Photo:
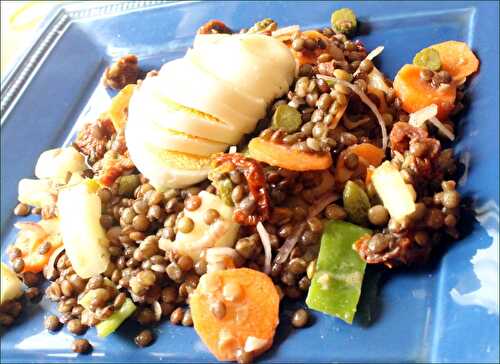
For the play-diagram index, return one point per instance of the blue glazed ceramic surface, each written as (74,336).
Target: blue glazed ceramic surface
(445,312)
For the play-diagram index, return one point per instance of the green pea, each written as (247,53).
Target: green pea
(356,203)
(128,184)
(344,21)
(287,118)
(263,25)
(224,189)
(428,58)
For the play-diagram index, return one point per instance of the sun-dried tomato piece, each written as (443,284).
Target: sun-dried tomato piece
(255,177)
(93,138)
(112,166)
(214,27)
(121,73)
(393,249)
(402,133)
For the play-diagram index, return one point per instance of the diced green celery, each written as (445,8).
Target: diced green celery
(336,285)
(108,326)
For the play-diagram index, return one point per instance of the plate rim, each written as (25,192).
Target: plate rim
(52,28)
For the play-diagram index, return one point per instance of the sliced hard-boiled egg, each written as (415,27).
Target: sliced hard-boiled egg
(234,59)
(173,140)
(193,87)
(164,168)
(147,103)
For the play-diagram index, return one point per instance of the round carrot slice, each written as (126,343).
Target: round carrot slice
(306,56)
(235,309)
(287,157)
(457,59)
(369,155)
(416,93)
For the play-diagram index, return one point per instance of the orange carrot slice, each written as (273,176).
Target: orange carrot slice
(287,157)
(248,317)
(30,245)
(119,106)
(416,93)
(368,154)
(457,59)
(306,56)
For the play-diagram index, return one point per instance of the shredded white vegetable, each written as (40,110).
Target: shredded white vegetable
(289,244)
(233,149)
(443,129)
(266,242)
(367,101)
(286,31)
(418,118)
(374,53)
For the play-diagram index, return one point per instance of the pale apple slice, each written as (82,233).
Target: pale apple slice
(57,163)
(188,85)
(222,232)
(83,236)
(36,192)
(397,196)
(164,168)
(11,286)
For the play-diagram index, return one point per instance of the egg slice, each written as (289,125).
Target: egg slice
(191,86)
(234,59)
(166,138)
(164,168)
(148,103)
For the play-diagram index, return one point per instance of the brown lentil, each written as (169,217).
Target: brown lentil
(193,203)
(21,209)
(185,263)
(210,216)
(81,346)
(140,223)
(187,320)
(177,316)
(297,265)
(300,318)
(335,212)
(174,272)
(18,265)
(144,338)
(52,323)
(75,327)
(378,215)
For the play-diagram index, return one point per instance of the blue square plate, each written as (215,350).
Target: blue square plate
(447,312)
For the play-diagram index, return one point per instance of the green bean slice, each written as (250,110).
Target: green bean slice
(356,203)
(428,58)
(287,118)
(344,21)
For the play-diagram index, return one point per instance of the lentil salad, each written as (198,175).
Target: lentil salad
(314,157)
